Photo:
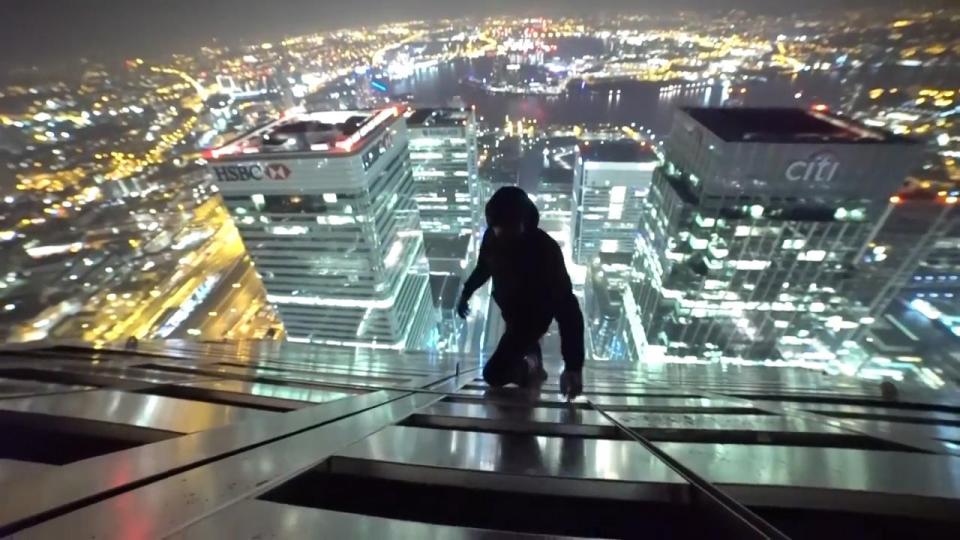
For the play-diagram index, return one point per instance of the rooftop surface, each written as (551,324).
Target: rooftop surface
(271,439)
(736,124)
(333,132)
(555,177)
(438,117)
(440,246)
(620,151)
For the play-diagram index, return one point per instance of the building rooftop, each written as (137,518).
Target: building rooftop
(441,246)
(334,132)
(445,450)
(555,176)
(774,125)
(438,117)
(620,151)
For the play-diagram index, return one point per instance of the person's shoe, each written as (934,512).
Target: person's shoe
(534,374)
(539,374)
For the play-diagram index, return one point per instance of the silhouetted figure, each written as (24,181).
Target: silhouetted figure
(532,287)
(889,391)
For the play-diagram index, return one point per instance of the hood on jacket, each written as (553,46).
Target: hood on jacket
(511,205)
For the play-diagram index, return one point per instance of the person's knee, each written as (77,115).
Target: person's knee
(493,376)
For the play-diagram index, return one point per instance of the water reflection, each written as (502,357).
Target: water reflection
(651,103)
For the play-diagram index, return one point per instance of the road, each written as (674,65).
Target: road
(226,306)
(219,253)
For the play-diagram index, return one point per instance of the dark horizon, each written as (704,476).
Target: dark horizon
(51,35)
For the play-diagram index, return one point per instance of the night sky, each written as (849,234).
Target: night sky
(59,32)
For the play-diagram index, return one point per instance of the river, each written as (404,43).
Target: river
(648,104)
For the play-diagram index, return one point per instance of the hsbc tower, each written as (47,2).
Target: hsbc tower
(755,233)
(325,205)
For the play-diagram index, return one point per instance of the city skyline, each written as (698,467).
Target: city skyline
(451,269)
(126,157)
(113,30)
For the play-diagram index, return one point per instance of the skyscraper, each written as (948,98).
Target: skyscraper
(554,199)
(443,156)
(606,282)
(917,250)
(610,184)
(325,205)
(757,225)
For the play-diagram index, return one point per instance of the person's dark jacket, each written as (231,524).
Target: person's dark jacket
(530,280)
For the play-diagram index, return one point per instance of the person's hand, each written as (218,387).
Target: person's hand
(463,307)
(571,384)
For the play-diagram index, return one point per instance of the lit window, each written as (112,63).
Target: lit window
(617,194)
(698,243)
(292,230)
(794,243)
(813,255)
(706,222)
(750,265)
(609,246)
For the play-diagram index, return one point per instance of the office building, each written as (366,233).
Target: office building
(917,250)
(938,273)
(554,199)
(610,184)
(757,225)
(325,205)
(928,212)
(443,156)
(606,283)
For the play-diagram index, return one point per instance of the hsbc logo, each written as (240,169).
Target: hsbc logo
(277,171)
(238,173)
(243,173)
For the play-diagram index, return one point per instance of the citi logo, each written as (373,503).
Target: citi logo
(819,168)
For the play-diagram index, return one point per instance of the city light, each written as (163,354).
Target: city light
(925,308)
(262,157)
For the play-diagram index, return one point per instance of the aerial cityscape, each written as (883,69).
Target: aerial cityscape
(499,269)
(328,188)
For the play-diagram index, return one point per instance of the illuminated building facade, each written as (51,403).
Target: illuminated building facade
(917,251)
(325,205)
(756,227)
(443,156)
(610,184)
(606,283)
(938,274)
(554,199)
